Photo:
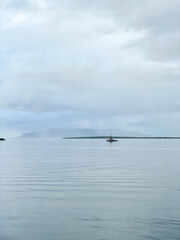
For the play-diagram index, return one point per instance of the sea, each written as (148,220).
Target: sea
(57,189)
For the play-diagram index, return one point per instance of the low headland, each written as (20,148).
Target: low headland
(91,134)
(82,133)
(120,137)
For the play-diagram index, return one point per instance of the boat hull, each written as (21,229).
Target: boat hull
(111,140)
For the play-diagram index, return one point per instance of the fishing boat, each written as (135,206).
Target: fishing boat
(111,139)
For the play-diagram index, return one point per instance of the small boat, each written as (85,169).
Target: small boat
(111,139)
(2,139)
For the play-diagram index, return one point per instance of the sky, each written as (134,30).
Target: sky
(90,64)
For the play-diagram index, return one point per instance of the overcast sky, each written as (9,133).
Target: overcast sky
(90,64)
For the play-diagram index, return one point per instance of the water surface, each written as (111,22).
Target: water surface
(53,189)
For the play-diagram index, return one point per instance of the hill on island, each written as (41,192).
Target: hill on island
(61,133)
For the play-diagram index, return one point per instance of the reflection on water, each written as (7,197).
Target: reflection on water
(89,189)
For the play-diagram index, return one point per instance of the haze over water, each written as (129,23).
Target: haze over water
(53,189)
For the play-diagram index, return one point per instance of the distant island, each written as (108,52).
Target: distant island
(91,134)
(120,137)
(65,133)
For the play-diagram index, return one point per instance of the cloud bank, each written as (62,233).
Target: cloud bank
(90,64)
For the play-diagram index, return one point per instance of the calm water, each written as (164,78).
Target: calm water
(89,190)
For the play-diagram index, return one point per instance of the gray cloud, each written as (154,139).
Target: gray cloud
(108,58)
